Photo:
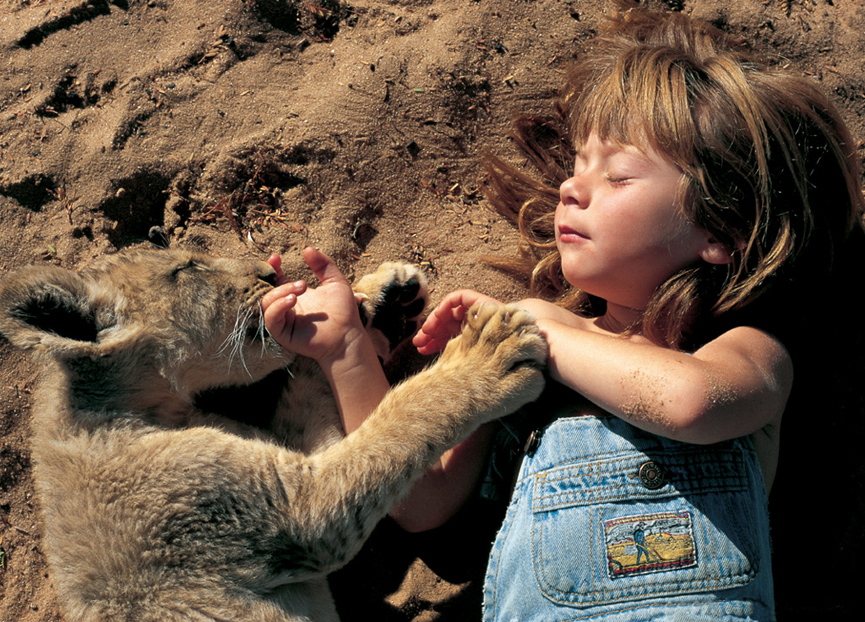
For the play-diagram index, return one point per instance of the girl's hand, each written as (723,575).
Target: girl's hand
(445,322)
(319,323)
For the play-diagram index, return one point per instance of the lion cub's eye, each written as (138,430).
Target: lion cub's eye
(186,266)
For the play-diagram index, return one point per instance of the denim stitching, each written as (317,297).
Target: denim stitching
(663,606)
(713,581)
(682,469)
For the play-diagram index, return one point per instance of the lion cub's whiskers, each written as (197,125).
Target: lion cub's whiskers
(235,340)
(261,332)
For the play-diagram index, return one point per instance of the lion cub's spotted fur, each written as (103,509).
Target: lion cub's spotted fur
(156,510)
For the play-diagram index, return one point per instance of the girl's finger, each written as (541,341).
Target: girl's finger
(275,262)
(279,314)
(322,266)
(296,288)
(421,339)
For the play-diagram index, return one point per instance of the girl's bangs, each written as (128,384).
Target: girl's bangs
(642,102)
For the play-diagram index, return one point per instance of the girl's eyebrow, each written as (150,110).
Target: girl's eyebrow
(632,157)
(610,148)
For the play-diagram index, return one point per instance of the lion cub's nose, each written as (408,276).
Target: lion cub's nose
(267,274)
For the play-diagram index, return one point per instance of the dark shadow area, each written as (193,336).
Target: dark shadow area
(321,19)
(253,404)
(138,205)
(817,505)
(77,15)
(456,553)
(67,95)
(32,192)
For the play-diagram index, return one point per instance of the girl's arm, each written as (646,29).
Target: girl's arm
(446,320)
(447,486)
(731,387)
(324,324)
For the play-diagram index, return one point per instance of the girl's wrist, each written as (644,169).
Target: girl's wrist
(356,350)
(356,378)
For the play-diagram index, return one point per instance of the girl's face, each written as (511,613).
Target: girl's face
(619,229)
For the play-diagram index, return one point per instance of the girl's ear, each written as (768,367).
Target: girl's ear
(714,252)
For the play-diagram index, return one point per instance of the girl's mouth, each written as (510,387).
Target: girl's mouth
(567,234)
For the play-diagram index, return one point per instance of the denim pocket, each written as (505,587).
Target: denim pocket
(639,525)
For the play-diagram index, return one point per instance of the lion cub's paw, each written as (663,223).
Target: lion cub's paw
(505,335)
(391,300)
(504,345)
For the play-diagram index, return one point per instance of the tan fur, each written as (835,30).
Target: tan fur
(156,510)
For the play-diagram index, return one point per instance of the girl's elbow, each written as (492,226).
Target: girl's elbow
(419,521)
(712,423)
(695,422)
(694,433)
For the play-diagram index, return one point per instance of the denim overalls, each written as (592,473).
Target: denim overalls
(608,522)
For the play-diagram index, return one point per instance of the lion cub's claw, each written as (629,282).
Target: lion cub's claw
(508,329)
(504,346)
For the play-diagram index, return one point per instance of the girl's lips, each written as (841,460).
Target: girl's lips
(566,234)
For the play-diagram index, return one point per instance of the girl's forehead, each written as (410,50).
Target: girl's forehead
(639,122)
(641,149)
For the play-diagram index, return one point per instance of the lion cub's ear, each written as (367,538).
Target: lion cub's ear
(54,308)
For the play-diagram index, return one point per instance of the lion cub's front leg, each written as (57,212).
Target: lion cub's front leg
(490,370)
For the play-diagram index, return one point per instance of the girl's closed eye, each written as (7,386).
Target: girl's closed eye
(617,180)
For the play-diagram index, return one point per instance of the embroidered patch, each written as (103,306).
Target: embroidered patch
(649,543)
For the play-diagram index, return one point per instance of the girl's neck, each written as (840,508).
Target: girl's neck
(618,319)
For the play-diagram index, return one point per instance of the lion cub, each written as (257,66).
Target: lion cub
(156,510)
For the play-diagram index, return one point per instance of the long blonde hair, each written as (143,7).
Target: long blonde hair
(769,166)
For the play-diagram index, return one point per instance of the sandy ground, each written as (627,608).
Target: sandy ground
(243,127)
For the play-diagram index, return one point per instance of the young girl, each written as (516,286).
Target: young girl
(709,195)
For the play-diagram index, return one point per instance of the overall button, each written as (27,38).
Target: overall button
(652,475)
(532,443)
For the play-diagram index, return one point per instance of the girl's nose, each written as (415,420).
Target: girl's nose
(571,193)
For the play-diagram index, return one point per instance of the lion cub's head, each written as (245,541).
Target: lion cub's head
(144,327)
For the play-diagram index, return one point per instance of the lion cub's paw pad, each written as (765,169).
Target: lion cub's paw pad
(394,296)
